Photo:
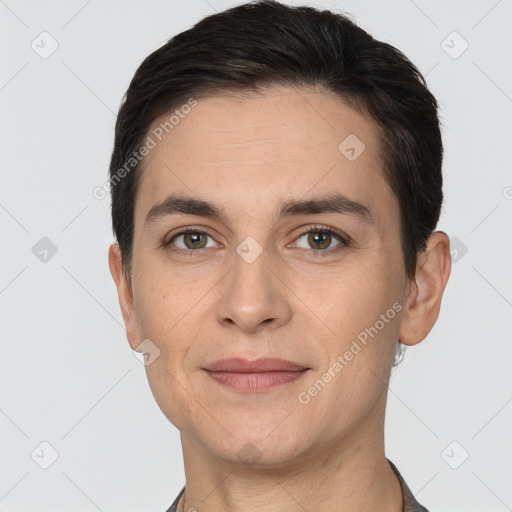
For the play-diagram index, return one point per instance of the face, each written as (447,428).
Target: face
(296,256)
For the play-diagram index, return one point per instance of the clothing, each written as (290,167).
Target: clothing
(410,503)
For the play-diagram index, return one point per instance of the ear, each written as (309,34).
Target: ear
(424,300)
(124,293)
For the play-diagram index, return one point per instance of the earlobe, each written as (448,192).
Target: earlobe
(424,301)
(125,296)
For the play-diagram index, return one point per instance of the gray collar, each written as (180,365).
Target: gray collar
(410,503)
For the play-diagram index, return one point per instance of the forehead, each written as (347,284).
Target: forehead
(279,144)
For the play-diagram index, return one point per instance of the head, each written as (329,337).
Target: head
(303,157)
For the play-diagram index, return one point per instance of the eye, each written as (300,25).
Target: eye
(320,239)
(189,239)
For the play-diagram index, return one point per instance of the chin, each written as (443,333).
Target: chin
(256,444)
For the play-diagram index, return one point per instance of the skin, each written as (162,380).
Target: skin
(247,155)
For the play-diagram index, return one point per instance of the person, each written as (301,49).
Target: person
(276,184)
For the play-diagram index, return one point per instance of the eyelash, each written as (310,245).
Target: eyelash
(344,241)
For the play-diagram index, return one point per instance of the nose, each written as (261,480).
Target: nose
(253,295)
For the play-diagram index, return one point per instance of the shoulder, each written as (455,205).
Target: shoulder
(410,502)
(174,506)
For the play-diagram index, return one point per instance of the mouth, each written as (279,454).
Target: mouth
(255,376)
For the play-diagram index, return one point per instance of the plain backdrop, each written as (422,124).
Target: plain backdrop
(72,395)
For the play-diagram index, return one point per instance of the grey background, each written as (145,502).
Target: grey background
(68,375)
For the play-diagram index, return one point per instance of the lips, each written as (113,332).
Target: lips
(239,365)
(258,375)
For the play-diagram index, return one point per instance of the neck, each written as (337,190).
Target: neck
(345,475)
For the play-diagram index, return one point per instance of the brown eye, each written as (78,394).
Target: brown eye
(189,240)
(319,240)
(193,240)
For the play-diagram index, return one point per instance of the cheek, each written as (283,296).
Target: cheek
(359,381)
(167,317)
(163,300)
(353,297)
(362,311)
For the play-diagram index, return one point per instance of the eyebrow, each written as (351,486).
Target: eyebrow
(333,203)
